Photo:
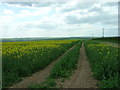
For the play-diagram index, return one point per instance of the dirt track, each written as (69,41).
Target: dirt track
(82,77)
(39,76)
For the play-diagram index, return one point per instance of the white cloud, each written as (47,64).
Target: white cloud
(59,19)
(6,19)
(8,11)
(41,11)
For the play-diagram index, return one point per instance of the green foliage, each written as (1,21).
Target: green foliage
(112,82)
(104,63)
(21,59)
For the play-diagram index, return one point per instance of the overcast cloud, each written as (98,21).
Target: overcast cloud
(58,19)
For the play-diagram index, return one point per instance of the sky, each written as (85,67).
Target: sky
(58,19)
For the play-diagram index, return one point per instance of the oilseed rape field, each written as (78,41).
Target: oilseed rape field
(104,61)
(21,59)
(60,62)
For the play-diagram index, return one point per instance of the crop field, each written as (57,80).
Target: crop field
(54,63)
(21,59)
(104,61)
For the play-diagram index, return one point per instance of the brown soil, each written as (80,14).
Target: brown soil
(39,76)
(82,77)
